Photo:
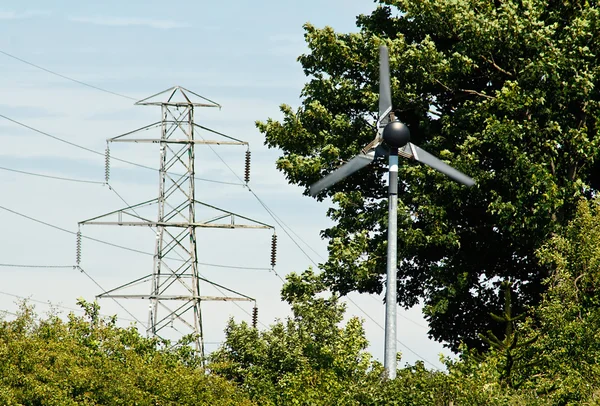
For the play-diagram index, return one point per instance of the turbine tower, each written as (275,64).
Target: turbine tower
(175,295)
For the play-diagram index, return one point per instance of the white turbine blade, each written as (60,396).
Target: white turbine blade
(353,165)
(419,154)
(385,91)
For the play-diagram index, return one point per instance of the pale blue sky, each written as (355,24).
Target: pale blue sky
(241,54)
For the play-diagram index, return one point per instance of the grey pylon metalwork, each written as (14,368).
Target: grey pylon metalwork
(175,294)
(392,139)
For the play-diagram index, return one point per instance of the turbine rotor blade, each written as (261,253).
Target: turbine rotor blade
(353,165)
(385,91)
(419,154)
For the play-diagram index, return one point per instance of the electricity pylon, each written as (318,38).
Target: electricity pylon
(175,281)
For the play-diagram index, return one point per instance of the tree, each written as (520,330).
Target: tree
(566,354)
(308,359)
(89,361)
(312,359)
(506,91)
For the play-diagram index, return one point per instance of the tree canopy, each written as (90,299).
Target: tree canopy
(548,356)
(90,361)
(507,92)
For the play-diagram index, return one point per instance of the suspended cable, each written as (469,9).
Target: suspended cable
(52,177)
(48,303)
(37,266)
(400,314)
(54,137)
(3,312)
(66,77)
(114,300)
(382,328)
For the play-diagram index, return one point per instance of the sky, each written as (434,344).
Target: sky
(241,54)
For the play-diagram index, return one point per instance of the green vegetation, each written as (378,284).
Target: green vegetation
(506,91)
(509,270)
(547,356)
(89,361)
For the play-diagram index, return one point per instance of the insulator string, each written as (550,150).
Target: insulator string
(273,250)
(254,316)
(247,167)
(78,248)
(107,163)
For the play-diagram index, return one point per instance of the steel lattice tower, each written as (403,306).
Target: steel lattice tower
(175,280)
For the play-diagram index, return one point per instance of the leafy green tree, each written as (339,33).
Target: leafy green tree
(306,359)
(568,319)
(556,359)
(506,91)
(310,359)
(89,361)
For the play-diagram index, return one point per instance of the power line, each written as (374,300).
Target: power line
(401,315)
(66,77)
(48,303)
(104,290)
(52,177)
(54,137)
(37,266)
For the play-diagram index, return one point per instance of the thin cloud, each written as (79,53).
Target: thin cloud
(130,22)
(15,15)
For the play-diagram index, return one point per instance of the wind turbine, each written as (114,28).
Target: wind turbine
(396,136)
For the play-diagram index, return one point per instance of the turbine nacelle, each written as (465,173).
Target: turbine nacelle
(396,134)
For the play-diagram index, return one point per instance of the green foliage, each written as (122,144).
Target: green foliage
(89,361)
(568,320)
(306,359)
(310,360)
(505,91)
(556,358)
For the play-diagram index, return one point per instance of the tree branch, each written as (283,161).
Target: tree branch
(475,92)
(498,68)
(468,91)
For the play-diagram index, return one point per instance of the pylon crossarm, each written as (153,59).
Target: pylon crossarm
(135,206)
(221,134)
(186,91)
(265,225)
(161,297)
(159,141)
(129,284)
(227,289)
(119,138)
(180,225)
(147,101)
(158,124)
(217,218)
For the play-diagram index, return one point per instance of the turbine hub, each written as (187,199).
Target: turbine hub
(396,134)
